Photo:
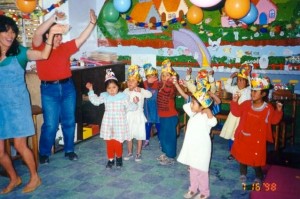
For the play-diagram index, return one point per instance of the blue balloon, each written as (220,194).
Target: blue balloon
(122,5)
(251,16)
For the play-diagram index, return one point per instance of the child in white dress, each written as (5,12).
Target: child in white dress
(196,148)
(114,126)
(136,119)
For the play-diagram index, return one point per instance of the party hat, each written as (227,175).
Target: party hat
(166,67)
(149,69)
(133,72)
(245,71)
(259,82)
(110,75)
(203,97)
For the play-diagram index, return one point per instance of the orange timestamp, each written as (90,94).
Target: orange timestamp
(266,186)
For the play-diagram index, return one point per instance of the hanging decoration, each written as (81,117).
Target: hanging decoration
(164,24)
(35,14)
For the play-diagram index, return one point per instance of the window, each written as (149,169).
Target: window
(272,14)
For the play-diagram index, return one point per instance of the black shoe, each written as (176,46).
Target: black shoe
(119,162)
(230,157)
(110,164)
(71,156)
(44,159)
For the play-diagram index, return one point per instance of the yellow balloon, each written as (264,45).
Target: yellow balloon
(237,9)
(194,15)
(26,6)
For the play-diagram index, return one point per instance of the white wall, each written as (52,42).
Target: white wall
(78,18)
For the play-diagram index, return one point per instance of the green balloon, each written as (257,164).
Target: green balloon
(110,13)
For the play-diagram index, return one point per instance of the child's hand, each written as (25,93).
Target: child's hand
(89,86)
(174,79)
(137,89)
(136,99)
(182,82)
(189,71)
(279,106)
(235,97)
(233,75)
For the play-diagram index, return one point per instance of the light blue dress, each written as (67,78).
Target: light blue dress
(15,109)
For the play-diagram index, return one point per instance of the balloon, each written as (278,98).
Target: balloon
(194,15)
(122,5)
(237,9)
(205,3)
(110,14)
(26,5)
(251,16)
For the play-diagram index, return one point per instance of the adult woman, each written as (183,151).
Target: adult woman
(15,110)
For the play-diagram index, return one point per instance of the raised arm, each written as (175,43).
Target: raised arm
(44,54)
(44,27)
(87,31)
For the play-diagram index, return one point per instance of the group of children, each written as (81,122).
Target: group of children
(132,113)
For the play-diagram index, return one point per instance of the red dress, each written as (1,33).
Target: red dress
(253,132)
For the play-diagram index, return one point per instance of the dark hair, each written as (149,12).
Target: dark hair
(7,23)
(47,32)
(106,83)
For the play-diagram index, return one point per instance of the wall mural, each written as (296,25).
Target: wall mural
(216,33)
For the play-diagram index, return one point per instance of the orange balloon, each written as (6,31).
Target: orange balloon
(26,5)
(194,15)
(237,9)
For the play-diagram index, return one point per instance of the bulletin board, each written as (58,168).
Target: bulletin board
(270,43)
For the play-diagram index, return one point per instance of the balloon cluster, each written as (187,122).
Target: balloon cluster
(242,10)
(112,9)
(195,13)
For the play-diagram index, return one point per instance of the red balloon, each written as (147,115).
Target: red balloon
(26,6)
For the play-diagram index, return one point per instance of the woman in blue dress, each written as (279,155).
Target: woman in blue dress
(15,110)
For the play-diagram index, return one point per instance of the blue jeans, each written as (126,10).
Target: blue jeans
(59,103)
(168,135)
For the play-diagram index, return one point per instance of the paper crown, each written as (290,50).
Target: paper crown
(149,69)
(245,71)
(133,72)
(110,75)
(202,80)
(166,67)
(259,82)
(203,97)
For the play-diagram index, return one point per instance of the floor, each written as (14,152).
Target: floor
(87,178)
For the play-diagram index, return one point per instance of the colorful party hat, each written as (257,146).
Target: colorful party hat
(202,80)
(259,82)
(166,67)
(133,72)
(110,75)
(149,69)
(245,71)
(203,97)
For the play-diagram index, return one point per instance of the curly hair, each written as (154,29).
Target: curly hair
(6,24)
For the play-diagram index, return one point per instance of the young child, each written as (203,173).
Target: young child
(243,89)
(150,105)
(114,126)
(136,119)
(167,113)
(196,148)
(206,80)
(254,129)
